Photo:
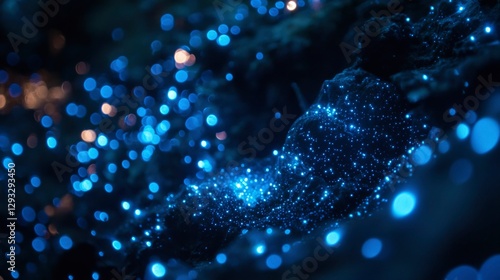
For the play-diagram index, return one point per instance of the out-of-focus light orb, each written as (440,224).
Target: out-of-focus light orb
(211,120)
(259,56)
(403,204)
(51,142)
(462,131)
(154,187)
(221,258)
(65,242)
(223,40)
(371,248)
(285,248)
(125,205)
(89,84)
(46,121)
(461,171)
(181,56)
(485,135)
(422,155)
(181,76)
(164,109)
(28,214)
(167,22)
(273,261)
(88,135)
(172,94)
(463,272)
(332,238)
(487,29)
(158,270)
(106,91)
(229,77)
(291,5)
(183,104)
(17,149)
(260,249)
(490,269)
(38,244)
(35,181)
(444,146)
(211,35)
(116,245)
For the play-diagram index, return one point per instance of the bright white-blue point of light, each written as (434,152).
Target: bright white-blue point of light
(116,245)
(172,94)
(158,270)
(332,238)
(490,268)
(275,152)
(28,214)
(464,272)
(260,249)
(167,22)
(17,149)
(223,40)
(211,120)
(487,29)
(46,121)
(461,171)
(371,248)
(462,131)
(273,261)
(154,187)
(181,76)
(425,77)
(211,35)
(106,91)
(51,142)
(269,231)
(229,77)
(422,155)
(221,258)
(95,276)
(65,242)
(137,212)
(86,185)
(38,244)
(204,143)
(472,38)
(183,104)
(102,140)
(89,84)
(259,56)
(485,135)
(403,204)
(125,205)
(164,109)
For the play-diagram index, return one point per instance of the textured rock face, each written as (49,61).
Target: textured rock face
(346,142)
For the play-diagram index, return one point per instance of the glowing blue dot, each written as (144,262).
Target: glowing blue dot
(485,135)
(156,45)
(472,38)
(125,164)
(93,153)
(235,30)
(269,231)
(332,238)
(273,261)
(71,109)
(461,171)
(262,10)
(17,149)
(102,140)
(116,245)
(167,22)
(239,16)
(28,214)
(403,204)
(183,104)
(46,121)
(38,244)
(137,212)
(462,131)
(51,142)
(86,185)
(35,181)
(279,5)
(112,168)
(211,120)
(211,35)
(463,272)
(260,249)
(285,248)
(106,91)
(425,77)
(444,146)
(259,56)
(172,94)
(371,248)
(273,12)
(65,242)
(108,188)
(487,29)
(156,69)
(154,187)
(158,270)
(223,40)
(125,205)
(103,216)
(181,76)
(223,28)
(422,155)
(95,276)
(14,274)
(221,258)
(229,77)
(490,268)
(89,84)
(192,123)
